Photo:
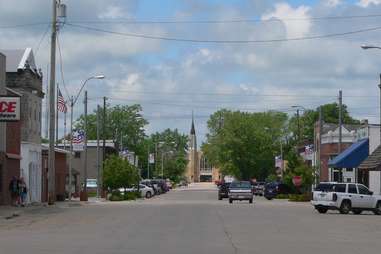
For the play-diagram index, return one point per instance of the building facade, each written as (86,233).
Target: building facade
(23,77)
(199,169)
(9,143)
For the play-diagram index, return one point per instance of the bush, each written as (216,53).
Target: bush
(306,197)
(282,196)
(131,195)
(116,196)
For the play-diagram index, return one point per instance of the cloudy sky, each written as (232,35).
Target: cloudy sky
(226,54)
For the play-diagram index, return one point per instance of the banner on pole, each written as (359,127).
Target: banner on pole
(78,140)
(151,158)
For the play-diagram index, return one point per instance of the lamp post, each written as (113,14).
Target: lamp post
(73,101)
(162,162)
(298,107)
(365,47)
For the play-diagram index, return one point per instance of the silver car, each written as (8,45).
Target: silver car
(240,190)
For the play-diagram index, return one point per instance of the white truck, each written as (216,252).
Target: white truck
(345,197)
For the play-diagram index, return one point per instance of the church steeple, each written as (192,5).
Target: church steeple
(193,130)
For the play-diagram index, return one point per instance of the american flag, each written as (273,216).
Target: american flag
(78,137)
(309,149)
(61,104)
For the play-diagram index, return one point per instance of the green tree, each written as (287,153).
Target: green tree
(173,145)
(124,125)
(308,119)
(244,144)
(119,173)
(296,167)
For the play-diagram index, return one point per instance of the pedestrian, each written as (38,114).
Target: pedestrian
(14,190)
(23,191)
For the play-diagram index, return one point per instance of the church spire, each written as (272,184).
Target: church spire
(193,131)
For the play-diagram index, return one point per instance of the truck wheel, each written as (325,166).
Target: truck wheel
(322,210)
(230,200)
(219,197)
(357,211)
(268,198)
(377,210)
(250,201)
(345,207)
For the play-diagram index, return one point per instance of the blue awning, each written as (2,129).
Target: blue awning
(352,156)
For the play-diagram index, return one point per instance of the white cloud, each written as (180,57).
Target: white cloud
(293,28)
(333,3)
(366,3)
(112,12)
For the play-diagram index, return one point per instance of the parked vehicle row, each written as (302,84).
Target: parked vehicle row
(150,187)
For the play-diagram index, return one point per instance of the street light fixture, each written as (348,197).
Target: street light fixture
(73,101)
(298,107)
(365,47)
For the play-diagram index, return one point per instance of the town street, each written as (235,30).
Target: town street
(190,220)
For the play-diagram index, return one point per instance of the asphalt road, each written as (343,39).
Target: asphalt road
(190,221)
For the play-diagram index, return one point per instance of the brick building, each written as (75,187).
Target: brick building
(61,168)
(9,143)
(329,149)
(23,77)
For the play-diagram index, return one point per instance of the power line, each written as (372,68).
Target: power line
(42,39)
(61,67)
(25,25)
(178,39)
(223,21)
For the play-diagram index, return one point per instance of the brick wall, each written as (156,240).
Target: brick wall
(328,150)
(29,84)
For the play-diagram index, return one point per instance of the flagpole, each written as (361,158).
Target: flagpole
(57,115)
(64,140)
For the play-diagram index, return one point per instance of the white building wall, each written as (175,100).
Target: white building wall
(374,181)
(374,137)
(31,170)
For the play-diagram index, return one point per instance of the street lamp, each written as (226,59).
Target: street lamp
(379,86)
(364,46)
(73,101)
(162,162)
(298,107)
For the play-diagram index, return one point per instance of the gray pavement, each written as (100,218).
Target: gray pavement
(190,221)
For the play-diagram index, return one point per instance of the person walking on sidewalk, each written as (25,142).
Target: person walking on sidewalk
(23,191)
(14,190)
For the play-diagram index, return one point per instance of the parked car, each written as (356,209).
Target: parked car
(169,183)
(272,189)
(240,190)
(154,186)
(145,191)
(223,190)
(162,186)
(91,185)
(258,188)
(345,197)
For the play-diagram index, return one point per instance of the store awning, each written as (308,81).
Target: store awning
(352,156)
(373,162)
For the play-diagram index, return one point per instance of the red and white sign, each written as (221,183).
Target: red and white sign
(9,109)
(297,181)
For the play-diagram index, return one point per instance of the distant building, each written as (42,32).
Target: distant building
(92,164)
(23,77)
(199,169)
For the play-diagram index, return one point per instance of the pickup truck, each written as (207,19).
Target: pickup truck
(345,197)
(240,190)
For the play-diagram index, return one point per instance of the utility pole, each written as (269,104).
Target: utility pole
(298,119)
(57,115)
(98,156)
(71,147)
(51,155)
(320,142)
(340,120)
(104,134)
(84,197)
(340,128)
(379,86)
